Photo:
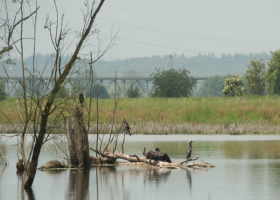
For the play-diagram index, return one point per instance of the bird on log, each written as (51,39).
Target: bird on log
(189,152)
(157,155)
(149,155)
(126,126)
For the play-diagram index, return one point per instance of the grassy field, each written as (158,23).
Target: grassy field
(246,110)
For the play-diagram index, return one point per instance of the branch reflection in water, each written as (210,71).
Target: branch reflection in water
(192,171)
(78,184)
(21,176)
(156,175)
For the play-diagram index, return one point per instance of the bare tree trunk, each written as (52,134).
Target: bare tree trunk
(51,97)
(81,138)
(71,143)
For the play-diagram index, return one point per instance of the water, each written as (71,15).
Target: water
(247,167)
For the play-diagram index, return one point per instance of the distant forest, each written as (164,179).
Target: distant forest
(200,65)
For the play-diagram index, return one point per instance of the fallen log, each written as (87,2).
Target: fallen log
(112,159)
(200,164)
(190,159)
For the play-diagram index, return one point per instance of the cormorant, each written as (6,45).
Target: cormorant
(81,98)
(161,156)
(157,155)
(126,126)
(148,155)
(189,152)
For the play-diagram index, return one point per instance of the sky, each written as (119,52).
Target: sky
(145,28)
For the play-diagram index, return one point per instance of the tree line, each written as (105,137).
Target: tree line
(257,80)
(199,65)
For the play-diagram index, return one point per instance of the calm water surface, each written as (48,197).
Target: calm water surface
(248,167)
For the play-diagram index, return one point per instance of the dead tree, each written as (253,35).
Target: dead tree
(78,139)
(60,76)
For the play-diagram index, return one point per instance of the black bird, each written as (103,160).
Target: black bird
(159,156)
(149,155)
(189,152)
(126,126)
(81,98)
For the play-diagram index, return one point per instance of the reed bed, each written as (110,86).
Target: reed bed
(171,129)
(214,115)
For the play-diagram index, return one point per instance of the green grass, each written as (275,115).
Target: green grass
(212,110)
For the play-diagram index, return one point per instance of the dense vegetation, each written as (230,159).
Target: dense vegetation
(212,110)
(234,87)
(172,83)
(213,86)
(133,92)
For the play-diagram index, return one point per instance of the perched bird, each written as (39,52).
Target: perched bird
(81,98)
(159,156)
(20,165)
(126,126)
(189,152)
(148,155)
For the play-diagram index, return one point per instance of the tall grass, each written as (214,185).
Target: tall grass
(164,113)
(246,109)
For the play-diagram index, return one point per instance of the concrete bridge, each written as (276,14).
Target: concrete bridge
(143,82)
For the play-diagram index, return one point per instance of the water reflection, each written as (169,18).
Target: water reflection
(250,150)
(78,184)
(245,170)
(21,177)
(156,175)
(189,177)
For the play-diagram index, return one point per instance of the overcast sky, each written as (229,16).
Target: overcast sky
(163,27)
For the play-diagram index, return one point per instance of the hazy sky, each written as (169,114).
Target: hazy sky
(162,27)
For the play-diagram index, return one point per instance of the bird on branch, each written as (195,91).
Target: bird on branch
(81,99)
(126,126)
(189,152)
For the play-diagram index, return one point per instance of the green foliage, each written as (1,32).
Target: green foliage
(172,83)
(63,92)
(273,74)
(133,91)
(233,87)
(3,94)
(255,76)
(102,92)
(213,86)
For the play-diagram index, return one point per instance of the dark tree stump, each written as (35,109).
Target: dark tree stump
(78,139)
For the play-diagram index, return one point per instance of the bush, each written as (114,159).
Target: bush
(172,83)
(233,87)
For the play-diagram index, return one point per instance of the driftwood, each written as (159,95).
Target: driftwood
(200,164)
(112,159)
(190,159)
